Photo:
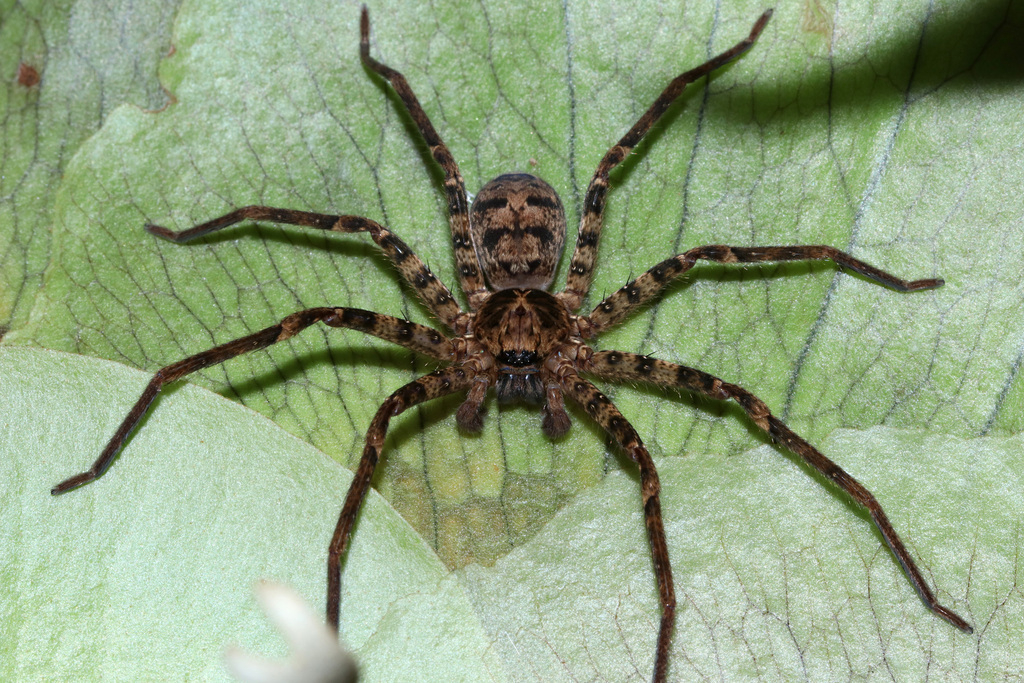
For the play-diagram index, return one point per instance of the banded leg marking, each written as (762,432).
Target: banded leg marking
(581,268)
(622,366)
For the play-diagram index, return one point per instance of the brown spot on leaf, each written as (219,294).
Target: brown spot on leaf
(28,75)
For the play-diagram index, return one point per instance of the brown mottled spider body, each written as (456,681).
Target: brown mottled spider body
(527,344)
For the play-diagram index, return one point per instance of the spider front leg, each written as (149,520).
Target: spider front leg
(650,284)
(470,277)
(604,412)
(411,335)
(430,290)
(581,268)
(633,367)
(435,385)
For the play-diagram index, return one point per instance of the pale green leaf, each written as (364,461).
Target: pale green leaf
(147,573)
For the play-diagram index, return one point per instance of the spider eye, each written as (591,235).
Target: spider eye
(517,359)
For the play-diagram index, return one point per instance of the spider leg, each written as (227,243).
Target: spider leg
(467,265)
(431,291)
(436,384)
(411,335)
(604,412)
(636,293)
(581,268)
(622,366)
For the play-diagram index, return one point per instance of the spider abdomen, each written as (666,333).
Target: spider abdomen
(518,227)
(520,328)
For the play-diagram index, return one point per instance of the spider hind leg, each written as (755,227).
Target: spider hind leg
(435,385)
(631,367)
(603,411)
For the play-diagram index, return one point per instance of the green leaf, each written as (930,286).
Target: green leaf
(889,130)
(800,142)
(91,56)
(147,573)
(151,576)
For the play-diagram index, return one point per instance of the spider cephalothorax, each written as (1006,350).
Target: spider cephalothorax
(524,342)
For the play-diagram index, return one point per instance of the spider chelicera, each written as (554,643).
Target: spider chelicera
(527,344)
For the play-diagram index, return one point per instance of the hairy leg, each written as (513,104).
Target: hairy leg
(604,412)
(408,334)
(581,268)
(470,277)
(437,297)
(621,366)
(650,284)
(436,384)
